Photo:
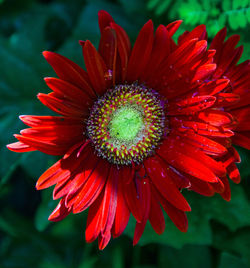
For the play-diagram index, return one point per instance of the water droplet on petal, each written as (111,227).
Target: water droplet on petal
(108,75)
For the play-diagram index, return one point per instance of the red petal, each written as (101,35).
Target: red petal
(60,212)
(201,187)
(46,147)
(173,27)
(242,139)
(96,67)
(96,179)
(208,146)
(233,173)
(178,157)
(108,51)
(93,221)
(60,171)
(226,195)
(156,217)
(161,48)
(68,90)
(178,217)
(61,106)
(108,206)
(141,52)
(191,105)
(133,198)
(122,212)
(146,200)
(39,121)
(68,71)
(104,19)
(204,71)
(193,127)
(20,147)
(159,176)
(198,32)
(124,48)
(216,117)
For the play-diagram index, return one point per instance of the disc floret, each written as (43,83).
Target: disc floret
(127,123)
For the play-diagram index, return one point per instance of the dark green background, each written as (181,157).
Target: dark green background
(219,232)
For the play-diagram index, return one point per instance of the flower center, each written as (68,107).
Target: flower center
(126,124)
(127,121)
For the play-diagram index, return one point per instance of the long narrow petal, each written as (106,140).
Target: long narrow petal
(69,71)
(96,67)
(164,184)
(141,52)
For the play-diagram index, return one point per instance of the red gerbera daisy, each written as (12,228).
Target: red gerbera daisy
(141,124)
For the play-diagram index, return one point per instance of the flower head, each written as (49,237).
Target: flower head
(140,125)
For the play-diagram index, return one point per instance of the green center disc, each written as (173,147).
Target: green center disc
(126,123)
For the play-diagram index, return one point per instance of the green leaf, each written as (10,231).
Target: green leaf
(193,256)
(226,5)
(228,260)
(45,208)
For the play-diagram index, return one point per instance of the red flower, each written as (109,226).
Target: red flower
(141,124)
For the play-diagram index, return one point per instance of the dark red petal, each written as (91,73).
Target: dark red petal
(204,71)
(201,187)
(60,212)
(104,19)
(141,52)
(159,176)
(198,32)
(216,117)
(61,106)
(79,173)
(87,195)
(243,117)
(57,134)
(218,186)
(242,139)
(205,144)
(96,68)
(233,173)
(124,48)
(108,51)
(190,105)
(133,199)
(178,217)
(68,71)
(127,174)
(226,195)
(94,218)
(103,240)
(192,127)
(227,99)
(186,161)
(68,90)
(146,201)
(122,212)
(109,204)
(61,170)
(173,27)
(156,217)
(46,147)
(213,87)
(219,39)
(161,48)
(39,121)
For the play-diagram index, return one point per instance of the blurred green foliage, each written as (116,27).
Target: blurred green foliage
(214,13)
(219,232)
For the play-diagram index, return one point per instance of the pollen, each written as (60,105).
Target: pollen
(127,123)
